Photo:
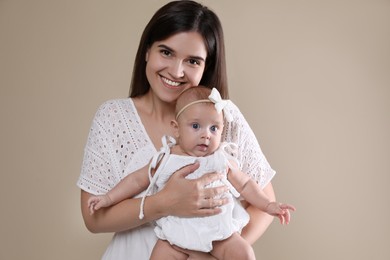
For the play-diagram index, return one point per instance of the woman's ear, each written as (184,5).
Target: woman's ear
(147,55)
(175,127)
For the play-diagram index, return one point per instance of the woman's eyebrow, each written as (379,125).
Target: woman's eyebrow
(171,50)
(197,58)
(165,47)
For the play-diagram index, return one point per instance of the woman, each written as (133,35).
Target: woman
(181,46)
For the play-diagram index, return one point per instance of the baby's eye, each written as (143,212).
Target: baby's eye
(195,126)
(214,128)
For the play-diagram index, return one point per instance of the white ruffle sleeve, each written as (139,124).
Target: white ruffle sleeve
(250,156)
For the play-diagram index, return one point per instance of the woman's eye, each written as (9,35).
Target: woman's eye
(195,126)
(194,62)
(165,52)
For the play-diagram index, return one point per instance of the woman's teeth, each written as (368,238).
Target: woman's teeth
(170,82)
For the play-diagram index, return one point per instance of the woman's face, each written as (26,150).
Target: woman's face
(175,64)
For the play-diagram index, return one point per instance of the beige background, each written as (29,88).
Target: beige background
(312,78)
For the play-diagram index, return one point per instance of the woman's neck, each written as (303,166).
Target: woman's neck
(156,117)
(154,108)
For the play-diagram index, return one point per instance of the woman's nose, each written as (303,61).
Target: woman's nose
(177,69)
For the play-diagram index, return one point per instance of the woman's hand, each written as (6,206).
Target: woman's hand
(188,198)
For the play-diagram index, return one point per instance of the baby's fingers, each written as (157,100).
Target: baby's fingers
(287,217)
(97,206)
(281,218)
(92,201)
(287,206)
(92,208)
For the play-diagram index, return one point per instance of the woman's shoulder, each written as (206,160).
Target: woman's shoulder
(115,106)
(233,108)
(236,129)
(112,104)
(237,116)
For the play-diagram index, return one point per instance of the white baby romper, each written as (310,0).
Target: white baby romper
(198,233)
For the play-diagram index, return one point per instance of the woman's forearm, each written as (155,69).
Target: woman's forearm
(259,220)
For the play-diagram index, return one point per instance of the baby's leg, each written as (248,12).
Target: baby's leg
(163,250)
(234,247)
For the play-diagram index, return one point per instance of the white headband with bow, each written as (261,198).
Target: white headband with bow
(219,103)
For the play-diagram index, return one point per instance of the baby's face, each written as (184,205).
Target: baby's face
(199,129)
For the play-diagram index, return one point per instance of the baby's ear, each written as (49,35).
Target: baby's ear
(175,127)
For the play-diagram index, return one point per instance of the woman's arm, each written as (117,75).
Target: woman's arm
(180,197)
(259,220)
(254,163)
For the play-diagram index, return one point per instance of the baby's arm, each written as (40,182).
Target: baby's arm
(253,194)
(128,187)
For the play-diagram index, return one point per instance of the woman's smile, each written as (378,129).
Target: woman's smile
(170,83)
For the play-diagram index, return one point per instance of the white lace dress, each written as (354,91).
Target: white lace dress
(117,141)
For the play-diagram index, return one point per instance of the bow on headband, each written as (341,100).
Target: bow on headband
(220,104)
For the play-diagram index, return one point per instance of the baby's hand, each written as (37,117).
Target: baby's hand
(280,210)
(97,202)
